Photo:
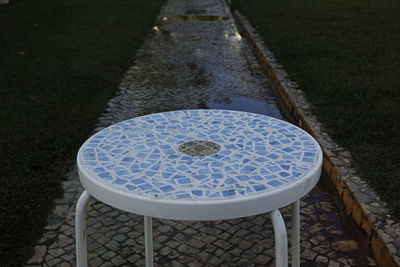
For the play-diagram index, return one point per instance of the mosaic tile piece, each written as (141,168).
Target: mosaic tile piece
(199,154)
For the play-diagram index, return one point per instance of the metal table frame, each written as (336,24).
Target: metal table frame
(267,202)
(281,244)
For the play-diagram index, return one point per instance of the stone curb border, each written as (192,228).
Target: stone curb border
(360,201)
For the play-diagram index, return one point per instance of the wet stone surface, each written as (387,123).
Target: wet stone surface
(195,58)
(194,61)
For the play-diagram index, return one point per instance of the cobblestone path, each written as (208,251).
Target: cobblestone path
(196,58)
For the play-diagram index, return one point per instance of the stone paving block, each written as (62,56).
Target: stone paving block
(130,242)
(68,258)
(54,262)
(321,260)
(262,260)
(40,252)
(177,264)
(195,243)
(108,255)
(113,245)
(118,260)
(222,244)
(107,264)
(308,254)
(96,261)
(64,240)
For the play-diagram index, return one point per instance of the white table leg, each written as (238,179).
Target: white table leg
(148,240)
(281,246)
(296,234)
(80,229)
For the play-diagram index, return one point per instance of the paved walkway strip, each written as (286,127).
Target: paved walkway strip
(196,58)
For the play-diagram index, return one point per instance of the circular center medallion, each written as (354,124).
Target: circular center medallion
(199,148)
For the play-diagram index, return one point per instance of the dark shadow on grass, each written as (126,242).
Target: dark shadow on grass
(60,63)
(345,56)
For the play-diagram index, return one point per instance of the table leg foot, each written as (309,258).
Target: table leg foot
(148,238)
(281,246)
(80,228)
(295,242)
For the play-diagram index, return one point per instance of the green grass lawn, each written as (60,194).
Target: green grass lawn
(60,62)
(345,56)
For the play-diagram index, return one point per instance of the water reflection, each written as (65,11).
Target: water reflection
(246,104)
(195,58)
(191,18)
(234,36)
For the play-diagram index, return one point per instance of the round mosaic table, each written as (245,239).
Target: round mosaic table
(199,165)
